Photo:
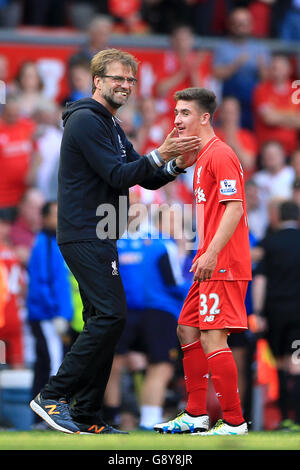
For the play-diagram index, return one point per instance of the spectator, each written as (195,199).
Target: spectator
(278,11)
(48,137)
(12,330)
(98,37)
(29,87)
(81,12)
(296,191)
(295,162)
(3,79)
(27,224)
(261,11)
(3,293)
(276,177)
(243,141)
(208,17)
(51,13)
(277,298)
(276,116)
(80,80)
(48,300)
(10,13)
(16,151)
(290,26)
(127,16)
(153,128)
(127,117)
(162,15)
(3,67)
(273,214)
(240,61)
(182,67)
(256,213)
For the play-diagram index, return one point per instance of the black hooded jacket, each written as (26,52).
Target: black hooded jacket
(97,165)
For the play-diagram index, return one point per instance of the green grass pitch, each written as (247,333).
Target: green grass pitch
(52,440)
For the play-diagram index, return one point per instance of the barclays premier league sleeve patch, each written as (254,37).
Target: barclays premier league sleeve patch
(228,187)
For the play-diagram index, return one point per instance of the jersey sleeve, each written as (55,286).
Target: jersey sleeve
(228,173)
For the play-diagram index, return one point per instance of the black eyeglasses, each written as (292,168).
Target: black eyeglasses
(120,80)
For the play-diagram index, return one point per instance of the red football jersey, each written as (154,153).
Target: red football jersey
(219,178)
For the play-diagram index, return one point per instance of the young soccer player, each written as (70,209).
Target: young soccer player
(214,306)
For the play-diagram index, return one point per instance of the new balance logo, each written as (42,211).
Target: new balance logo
(96,429)
(52,410)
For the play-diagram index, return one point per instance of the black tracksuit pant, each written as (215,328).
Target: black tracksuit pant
(84,372)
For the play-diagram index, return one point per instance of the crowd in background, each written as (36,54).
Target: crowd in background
(258,116)
(274,18)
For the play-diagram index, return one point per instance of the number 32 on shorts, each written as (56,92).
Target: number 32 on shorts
(213,300)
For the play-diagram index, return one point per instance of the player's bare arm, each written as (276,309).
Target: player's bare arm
(204,266)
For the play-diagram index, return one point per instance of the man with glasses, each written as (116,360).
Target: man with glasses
(97,166)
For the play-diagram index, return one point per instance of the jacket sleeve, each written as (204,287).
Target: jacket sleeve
(154,180)
(95,144)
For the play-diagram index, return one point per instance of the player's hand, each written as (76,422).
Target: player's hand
(173,146)
(204,266)
(187,159)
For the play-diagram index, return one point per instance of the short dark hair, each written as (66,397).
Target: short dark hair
(289,210)
(205,99)
(46,209)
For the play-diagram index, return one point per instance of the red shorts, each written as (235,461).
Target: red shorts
(216,305)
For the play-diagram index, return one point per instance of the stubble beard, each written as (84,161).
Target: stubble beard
(110,99)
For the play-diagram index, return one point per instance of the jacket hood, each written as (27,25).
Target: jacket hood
(84,103)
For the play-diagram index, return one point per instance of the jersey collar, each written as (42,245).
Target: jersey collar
(207,146)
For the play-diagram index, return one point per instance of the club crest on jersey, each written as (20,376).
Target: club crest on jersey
(228,187)
(115,271)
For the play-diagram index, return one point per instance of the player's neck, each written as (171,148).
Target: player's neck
(206,135)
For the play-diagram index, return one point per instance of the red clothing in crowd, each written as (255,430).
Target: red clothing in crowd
(266,94)
(16,147)
(11,331)
(170,65)
(248,142)
(3,293)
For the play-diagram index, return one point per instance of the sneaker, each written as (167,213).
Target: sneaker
(98,429)
(55,413)
(221,428)
(184,423)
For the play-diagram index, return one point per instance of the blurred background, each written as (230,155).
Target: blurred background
(248,52)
